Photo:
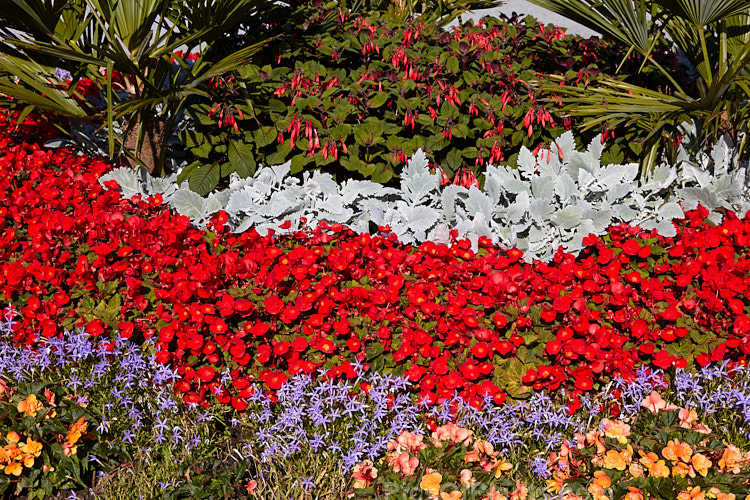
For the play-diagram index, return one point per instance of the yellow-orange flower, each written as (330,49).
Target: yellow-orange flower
(431,483)
(32,448)
(30,405)
(557,482)
(681,469)
(76,430)
(616,460)
(693,494)
(501,466)
(28,460)
(4,456)
(602,479)
(13,451)
(701,464)
(453,495)
(633,494)
(13,437)
(14,468)
(659,469)
(675,450)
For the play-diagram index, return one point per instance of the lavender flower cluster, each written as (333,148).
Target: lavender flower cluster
(127,390)
(306,412)
(334,418)
(325,418)
(711,389)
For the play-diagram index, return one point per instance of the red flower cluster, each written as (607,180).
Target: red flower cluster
(266,308)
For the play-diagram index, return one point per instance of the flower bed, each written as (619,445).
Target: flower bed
(268,308)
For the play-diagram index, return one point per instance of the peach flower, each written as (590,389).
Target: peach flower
(407,441)
(251,485)
(654,402)
(720,495)
(493,494)
(363,474)
(453,433)
(731,460)
(616,429)
(687,417)
(403,463)
(521,493)
(467,478)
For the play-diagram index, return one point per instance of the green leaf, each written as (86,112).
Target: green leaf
(452,64)
(508,378)
(205,179)
(378,100)
(241,158)
(454,159)
(264,136)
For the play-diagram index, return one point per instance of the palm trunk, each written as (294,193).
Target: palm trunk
(149,152)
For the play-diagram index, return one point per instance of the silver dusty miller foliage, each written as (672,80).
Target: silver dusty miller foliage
(554,199)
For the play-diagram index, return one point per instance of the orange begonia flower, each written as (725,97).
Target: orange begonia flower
(675,450)
(693,494)
(681,469)
(32,448)
(633,494)
(431,483)
(453,495)
(30,406)
(731,459)
(701,464)
(602,479)
(501,466)
(14,468)
(618,459)
(76,430)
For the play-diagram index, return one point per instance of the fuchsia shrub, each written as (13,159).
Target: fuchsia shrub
(264,308)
